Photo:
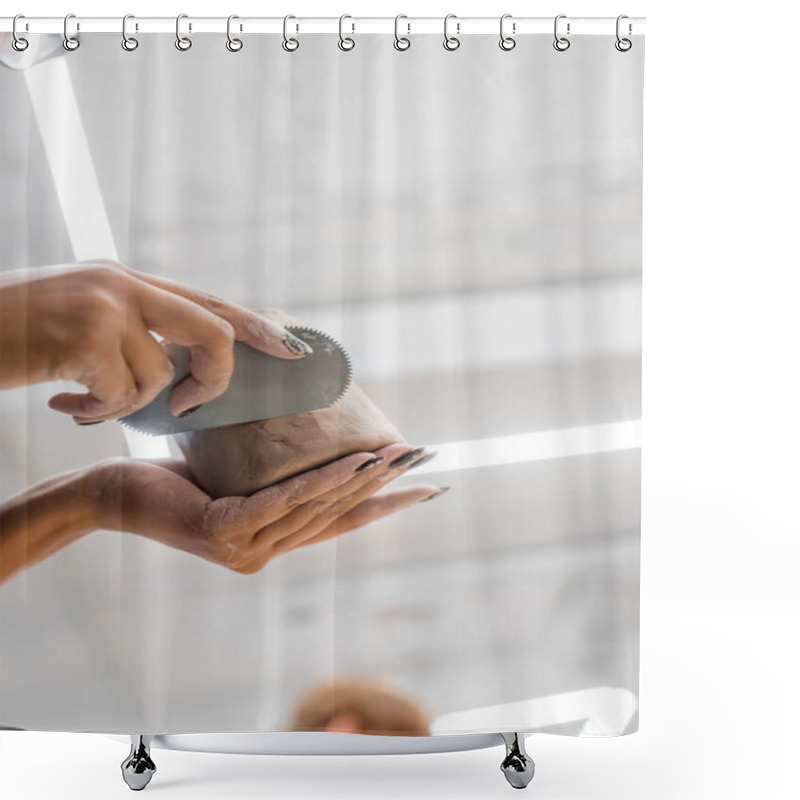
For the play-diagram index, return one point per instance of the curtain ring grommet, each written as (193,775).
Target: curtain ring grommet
(18,42)
(233,44)
(623,44)
(183,43)
(70,42)
(346,42)
(507,42)
(561,43)
(451,42)
(289,44)
(401,42)
(129,43)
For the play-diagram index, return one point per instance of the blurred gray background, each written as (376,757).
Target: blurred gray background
(468,224)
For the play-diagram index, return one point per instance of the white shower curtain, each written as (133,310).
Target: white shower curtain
(467,224)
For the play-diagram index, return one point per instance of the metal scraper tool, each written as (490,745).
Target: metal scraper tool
(261,387)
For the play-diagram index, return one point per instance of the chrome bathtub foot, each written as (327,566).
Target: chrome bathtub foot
(138,768)
(517,766)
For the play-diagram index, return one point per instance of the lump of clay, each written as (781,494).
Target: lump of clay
(241,459)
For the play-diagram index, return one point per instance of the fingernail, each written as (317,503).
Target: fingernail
(96,422)
(371,463)
(297,346)
(401,461)
(442,490)
(189,411)
(423,460)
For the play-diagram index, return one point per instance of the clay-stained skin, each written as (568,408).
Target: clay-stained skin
(241,459)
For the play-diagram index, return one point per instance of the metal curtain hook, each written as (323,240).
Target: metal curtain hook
(18,43)
(234,45)
(451,42)
(561,43)
(70,42)
(507,42)
(623,45)
(182,42)
(289,45)
(129,43)
(346,42)
(401,42)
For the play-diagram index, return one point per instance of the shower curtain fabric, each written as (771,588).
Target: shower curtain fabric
(467,225)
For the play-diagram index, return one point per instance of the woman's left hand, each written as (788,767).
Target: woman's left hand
(161,500)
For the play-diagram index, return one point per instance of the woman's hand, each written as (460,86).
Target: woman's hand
(160,500)
(90,322)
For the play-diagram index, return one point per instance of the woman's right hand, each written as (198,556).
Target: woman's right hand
(91,322)
(160,500)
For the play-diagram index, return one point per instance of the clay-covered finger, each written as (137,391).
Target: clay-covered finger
(248,326)
(360,509)
(274,502)
(208,337)
(149,364)
(395,460)
(302,523)
(380,505)
(211,368)
(111,386)
(371,471)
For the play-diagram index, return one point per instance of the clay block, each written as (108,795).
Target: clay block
(241,459)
